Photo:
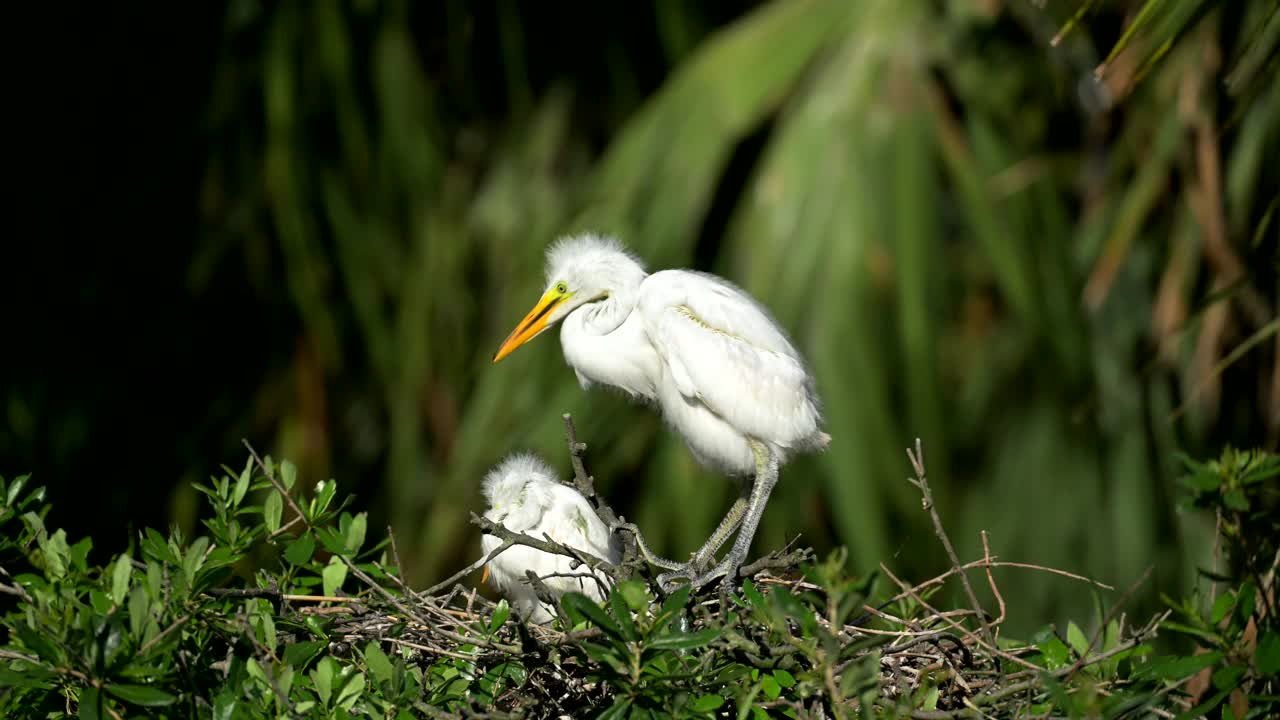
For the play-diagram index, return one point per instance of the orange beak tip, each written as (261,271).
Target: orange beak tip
(485,577)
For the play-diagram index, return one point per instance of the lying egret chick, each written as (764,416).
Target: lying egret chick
(525,497)
(722,371)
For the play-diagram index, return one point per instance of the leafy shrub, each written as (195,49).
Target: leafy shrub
(179,627)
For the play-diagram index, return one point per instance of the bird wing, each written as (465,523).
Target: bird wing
(572,521)
(725,350)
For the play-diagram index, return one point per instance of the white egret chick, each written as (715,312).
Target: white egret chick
(721,370)
(525,496)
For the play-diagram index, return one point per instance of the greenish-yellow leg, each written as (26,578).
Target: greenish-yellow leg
(748,511)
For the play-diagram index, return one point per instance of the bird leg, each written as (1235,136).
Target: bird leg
(766,478)
(748,512)
(731,521)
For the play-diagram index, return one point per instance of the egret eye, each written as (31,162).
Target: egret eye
(561,288)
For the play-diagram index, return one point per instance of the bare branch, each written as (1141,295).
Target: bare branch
(922,482)
(547,546)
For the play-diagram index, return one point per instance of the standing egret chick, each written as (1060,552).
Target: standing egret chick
(525,496)
(721,370)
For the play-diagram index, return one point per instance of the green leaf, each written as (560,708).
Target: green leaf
(120,579)
(635,594)
(707,703)
(322,677)
(1236,499)
(351,691)
(1055,652)
(685,641)
(79,554)
(1076,639)
(300,550)
(324,495)
(1221,607)
(622,614)
(224,704)
(300,653)
(1228,678)
(792,607)
(784,678)
(38,643)
(142,695)
(272,509)
(673,605)
(585,608)
(753,596)
(56,554)
(378,663)
(335,573)
(354,534)
(1267,654)
(194,558)
(617,710)
(90,701)
(288,474)
(242,484)
(14,488)
(770,687)
(1172,668)
(265,625)
(500,615)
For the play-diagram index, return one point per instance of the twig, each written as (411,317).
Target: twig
(468,569)
(544,594)
(164,634)
(579,576)
(585,484)
(776,560)
(431,650)
(933,639)
(991,581)
(279,486)
(921,481)
(957,626)
(1107,619)
(398,605)
(11,655)
(547,546)
(15,589)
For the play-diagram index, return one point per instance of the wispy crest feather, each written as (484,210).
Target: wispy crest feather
(584,251)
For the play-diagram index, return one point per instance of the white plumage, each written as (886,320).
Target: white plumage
(525,496)
(720,368)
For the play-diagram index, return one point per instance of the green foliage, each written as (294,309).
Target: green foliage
(173,628)
(1234,624)
(152,631)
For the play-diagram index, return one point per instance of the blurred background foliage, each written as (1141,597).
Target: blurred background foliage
(1039,236)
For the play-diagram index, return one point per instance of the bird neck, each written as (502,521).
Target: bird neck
(604,316)
(603,347)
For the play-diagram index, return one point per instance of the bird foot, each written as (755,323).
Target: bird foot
(726,569)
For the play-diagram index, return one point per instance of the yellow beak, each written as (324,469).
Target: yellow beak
(485,577)
(532,324)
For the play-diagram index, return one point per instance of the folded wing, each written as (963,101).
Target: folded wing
(724,350)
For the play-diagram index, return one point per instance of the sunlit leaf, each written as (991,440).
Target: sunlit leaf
(272,510)
(120,574)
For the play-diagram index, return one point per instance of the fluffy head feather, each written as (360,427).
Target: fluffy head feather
(588,261)
(506,483)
